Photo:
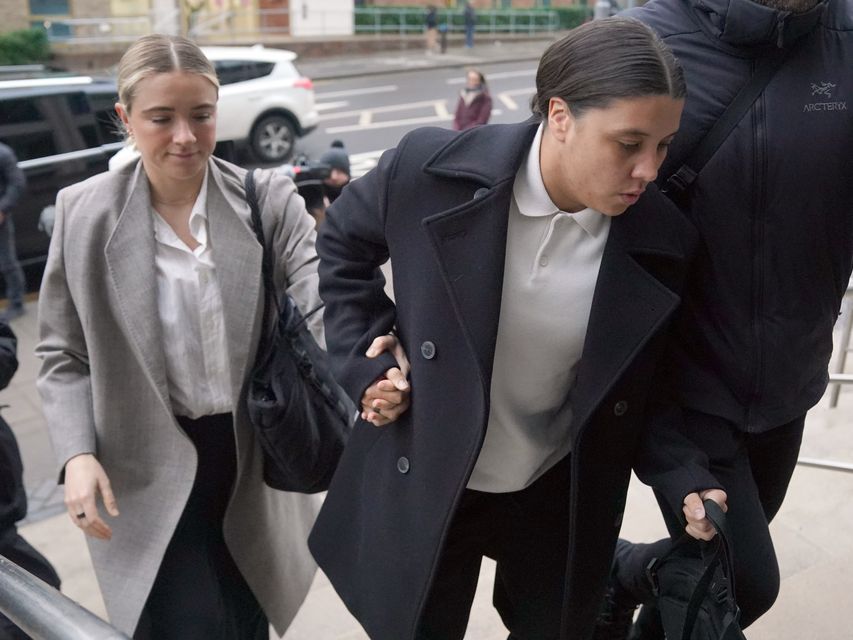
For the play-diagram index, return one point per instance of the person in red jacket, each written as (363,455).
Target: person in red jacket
(475,103)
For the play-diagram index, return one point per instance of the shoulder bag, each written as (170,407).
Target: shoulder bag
(301,416)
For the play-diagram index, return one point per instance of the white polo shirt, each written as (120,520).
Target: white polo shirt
(552,263)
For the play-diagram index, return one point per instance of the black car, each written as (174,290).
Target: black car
(62,130)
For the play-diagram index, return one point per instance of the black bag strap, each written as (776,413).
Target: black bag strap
(270,298)
(681,180)
(720,555)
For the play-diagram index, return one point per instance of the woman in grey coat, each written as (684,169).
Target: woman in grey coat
(150,314)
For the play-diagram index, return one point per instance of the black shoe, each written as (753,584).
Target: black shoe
(648,625)
(617,611)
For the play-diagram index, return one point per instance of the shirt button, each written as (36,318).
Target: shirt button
(543,261)
(620,408)
(403,464)
(428,350)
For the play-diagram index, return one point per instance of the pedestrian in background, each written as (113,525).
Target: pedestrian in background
(470,24)
(149,317)
(13,497)
(12,186)
(431,25)
(774,207)
(535,314)
(475,104)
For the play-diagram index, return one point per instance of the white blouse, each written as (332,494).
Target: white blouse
(191,314)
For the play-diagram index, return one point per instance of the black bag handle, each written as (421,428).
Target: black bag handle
(720,555)
(681,180)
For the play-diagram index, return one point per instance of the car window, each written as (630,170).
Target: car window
(48,124)
(231,71)
(106,120)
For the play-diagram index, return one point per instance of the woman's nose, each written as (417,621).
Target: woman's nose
(183,133)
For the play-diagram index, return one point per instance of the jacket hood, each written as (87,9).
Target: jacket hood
(746,23)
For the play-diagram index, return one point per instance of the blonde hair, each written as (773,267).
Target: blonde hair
(159,53)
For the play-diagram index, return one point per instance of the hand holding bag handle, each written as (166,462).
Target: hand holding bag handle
(686,585)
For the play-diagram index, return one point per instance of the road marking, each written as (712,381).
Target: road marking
(361,163)
(388,124)
(506,97)
(441,109)
(356,92)
(386,109)
(365,118)
(326,106)
(494,76)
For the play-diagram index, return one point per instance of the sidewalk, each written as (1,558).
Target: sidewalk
(812,531)
(380,62)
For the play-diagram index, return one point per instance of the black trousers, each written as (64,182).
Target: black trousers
(527,533)
(755,470)
(199,592)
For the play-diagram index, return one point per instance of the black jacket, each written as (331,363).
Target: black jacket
(13,499)
(440,212)
(12,180)
(774,206)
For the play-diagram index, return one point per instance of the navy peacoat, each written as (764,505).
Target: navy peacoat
(438,207)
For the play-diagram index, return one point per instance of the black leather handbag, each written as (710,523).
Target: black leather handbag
(302,417)
(696,595)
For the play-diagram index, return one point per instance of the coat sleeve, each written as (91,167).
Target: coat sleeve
(352,246)
(667,458)
(64,381)
(459,115)
(15,181)
(292,242)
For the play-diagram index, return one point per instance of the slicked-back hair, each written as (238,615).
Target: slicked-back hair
(606,60)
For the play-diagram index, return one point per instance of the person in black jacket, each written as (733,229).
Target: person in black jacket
(13,498)
(12,185)
(774,207)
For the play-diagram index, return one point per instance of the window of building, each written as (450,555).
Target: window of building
(49,7)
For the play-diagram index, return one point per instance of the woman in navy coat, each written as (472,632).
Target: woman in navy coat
(413,507)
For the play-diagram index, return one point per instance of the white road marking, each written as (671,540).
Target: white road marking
(389,124)
(355,92)
(365,118)
(441,109)
(386,109)
(506,97)
(495,76)
(326,106)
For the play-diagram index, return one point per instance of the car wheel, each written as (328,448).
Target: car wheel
(273,139)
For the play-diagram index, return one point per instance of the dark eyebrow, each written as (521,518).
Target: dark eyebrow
(639,133)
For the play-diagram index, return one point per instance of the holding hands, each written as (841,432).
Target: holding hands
(387,398)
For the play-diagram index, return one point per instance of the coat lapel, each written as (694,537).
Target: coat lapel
(474,278)
(237,256)
(130,260)
(470,239)
(629,306)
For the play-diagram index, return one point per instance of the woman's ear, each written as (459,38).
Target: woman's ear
(560,119)
(121,112)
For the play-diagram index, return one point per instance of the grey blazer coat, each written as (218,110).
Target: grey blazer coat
(103,378)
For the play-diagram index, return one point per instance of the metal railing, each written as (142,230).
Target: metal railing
(43,612)
(836,379)
(405,21)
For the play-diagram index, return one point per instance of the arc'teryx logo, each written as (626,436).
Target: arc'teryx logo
(824,90)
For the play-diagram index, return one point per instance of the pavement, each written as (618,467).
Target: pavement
(811,532)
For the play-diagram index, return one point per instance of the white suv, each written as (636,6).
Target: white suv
(262,99)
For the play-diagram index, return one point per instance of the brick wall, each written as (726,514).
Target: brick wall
(15,16)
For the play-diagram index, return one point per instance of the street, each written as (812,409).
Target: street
(370,114)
